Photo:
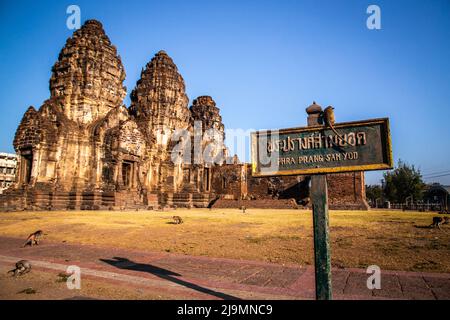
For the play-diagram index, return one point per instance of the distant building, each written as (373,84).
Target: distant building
(8,165)
(437,193)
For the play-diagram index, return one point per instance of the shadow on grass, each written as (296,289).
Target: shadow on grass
(424,227)
(124,263)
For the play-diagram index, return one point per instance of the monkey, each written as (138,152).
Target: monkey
(28,291)
(329,120)
(22,267)
(438,221)
(328,116)
(177,219)
(34,238)
(243,208)
(305,201)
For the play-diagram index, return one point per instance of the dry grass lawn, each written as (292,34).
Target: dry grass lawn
(392,240)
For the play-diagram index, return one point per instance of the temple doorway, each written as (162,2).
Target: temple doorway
(206,179)
(27,165)
(126,173)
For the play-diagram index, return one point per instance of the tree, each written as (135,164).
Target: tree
(374,192)
(403,182)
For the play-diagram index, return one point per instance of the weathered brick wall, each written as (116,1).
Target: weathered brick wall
(227,181)
(260,204)
(345,190)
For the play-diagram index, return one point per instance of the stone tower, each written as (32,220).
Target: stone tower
(87,78)
(63,147)
(204,109)
(159,106)
(205,113)
(159,101)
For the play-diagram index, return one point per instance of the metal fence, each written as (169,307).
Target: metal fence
(418,206)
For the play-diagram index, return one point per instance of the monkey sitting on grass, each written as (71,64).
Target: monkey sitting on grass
(22,267)
(34,238)
(177,219)
(438,221)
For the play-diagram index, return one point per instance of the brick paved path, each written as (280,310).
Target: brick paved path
(189,277)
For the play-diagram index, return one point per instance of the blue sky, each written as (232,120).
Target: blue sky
(263,62)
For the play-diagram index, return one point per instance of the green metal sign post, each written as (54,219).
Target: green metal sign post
(317,150)
(322,259)
(319,200)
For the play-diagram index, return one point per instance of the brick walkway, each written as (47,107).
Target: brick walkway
(189,277)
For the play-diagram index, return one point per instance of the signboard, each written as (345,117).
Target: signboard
(357,146)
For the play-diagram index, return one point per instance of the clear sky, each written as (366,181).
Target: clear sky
(263,62)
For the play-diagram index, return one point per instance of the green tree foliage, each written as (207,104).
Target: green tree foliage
(374,192)
(402,182)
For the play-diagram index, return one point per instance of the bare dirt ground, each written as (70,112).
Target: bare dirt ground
(48,285)
(393,240)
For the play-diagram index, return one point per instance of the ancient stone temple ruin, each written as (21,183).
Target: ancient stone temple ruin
(84,149)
